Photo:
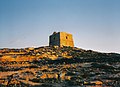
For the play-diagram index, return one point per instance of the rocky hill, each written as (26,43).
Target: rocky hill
(54,53)
(58,67)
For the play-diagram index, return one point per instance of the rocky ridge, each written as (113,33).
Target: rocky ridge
(53,53)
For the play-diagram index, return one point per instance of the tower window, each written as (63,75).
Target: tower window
(66,37)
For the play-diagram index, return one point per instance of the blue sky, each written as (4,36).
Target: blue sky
(95,24)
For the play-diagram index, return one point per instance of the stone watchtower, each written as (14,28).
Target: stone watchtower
(61,39)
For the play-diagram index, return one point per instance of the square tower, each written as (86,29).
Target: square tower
(61,39)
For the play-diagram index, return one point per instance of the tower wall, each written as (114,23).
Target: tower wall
(66,39)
